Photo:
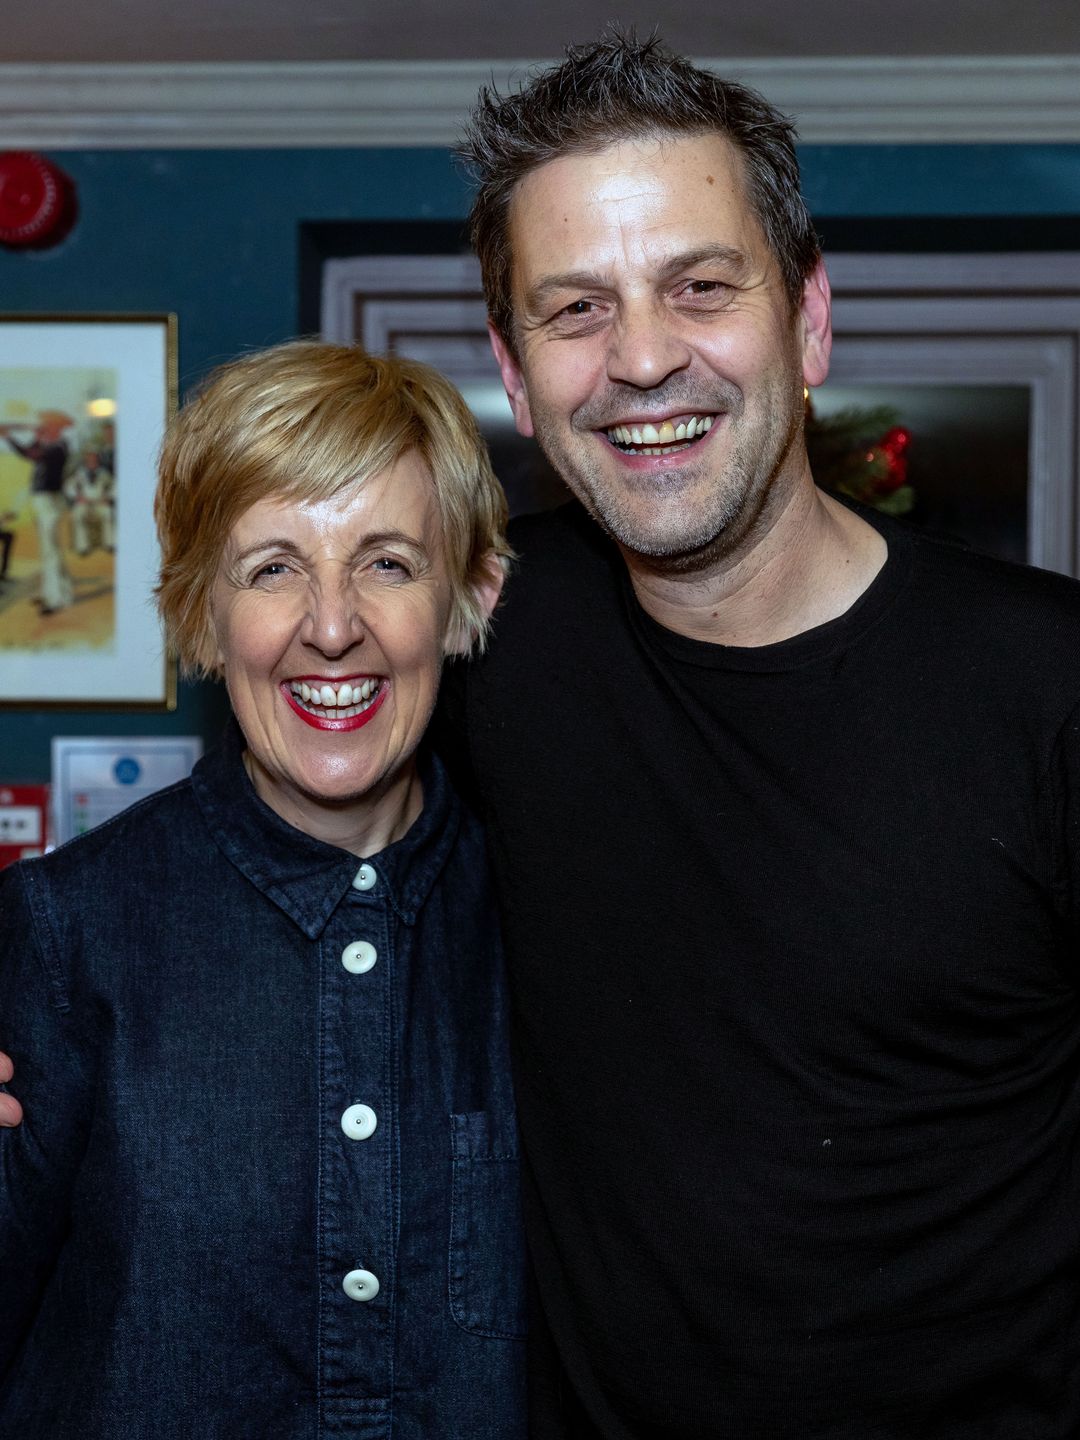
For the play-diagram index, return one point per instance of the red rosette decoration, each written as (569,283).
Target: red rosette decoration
(37,201)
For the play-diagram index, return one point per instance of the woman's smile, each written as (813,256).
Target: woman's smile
(336,705)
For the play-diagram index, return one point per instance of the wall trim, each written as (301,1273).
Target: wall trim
(872,100)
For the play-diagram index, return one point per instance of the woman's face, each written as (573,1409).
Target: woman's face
(331,619)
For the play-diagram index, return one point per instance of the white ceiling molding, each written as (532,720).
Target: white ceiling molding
(357,103)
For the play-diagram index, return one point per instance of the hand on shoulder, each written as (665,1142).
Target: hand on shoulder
(10,1109)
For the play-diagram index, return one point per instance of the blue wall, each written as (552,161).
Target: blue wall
(213,236)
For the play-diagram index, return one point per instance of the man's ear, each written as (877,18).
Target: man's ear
(815,312)
(485,590)
(513,382)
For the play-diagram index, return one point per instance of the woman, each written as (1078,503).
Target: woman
(266,1186)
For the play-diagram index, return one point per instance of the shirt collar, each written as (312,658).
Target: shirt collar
(307,878)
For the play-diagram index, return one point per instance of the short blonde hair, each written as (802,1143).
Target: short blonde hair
(303,421)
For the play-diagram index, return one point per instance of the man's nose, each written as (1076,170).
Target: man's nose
(645,347)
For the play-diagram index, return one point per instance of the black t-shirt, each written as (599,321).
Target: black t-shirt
(793,943)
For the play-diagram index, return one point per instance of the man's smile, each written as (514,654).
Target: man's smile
(678,432)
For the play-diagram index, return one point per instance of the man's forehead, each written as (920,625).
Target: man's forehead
(648,151)
(648,196)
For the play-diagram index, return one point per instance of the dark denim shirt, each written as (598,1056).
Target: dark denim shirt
(267,1183)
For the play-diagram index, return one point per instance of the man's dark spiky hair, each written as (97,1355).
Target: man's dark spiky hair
(614,89)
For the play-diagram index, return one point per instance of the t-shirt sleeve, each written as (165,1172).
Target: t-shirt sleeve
(1065,777)
(39,1159)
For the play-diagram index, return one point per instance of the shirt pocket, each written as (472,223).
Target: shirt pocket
(487,1256)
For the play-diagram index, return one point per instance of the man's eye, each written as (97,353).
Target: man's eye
(708,289)
(579,307)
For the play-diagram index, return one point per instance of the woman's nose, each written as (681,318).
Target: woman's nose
(333,623)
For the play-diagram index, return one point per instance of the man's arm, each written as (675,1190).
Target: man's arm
(40,1160)
(28,452)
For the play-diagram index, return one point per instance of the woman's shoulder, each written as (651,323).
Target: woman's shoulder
(161,831)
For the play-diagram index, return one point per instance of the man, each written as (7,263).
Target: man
(47,452)
(784,812)
(782,804)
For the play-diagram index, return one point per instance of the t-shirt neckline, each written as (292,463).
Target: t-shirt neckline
(806,647)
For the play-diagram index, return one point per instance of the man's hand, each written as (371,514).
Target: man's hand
(10,1109)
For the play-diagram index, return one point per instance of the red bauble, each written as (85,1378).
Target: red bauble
(37,201)
(893,445)
(896,440)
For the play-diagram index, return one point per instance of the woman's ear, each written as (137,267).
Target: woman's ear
(485,590)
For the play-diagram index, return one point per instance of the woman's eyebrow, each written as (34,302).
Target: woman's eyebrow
(366,542)
(272,543)
(392,537)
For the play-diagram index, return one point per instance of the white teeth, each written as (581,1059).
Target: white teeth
(349,698)
(664,434)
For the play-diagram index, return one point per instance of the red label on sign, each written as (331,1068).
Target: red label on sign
(24,821)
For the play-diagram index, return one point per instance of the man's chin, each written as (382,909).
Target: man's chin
(677,543)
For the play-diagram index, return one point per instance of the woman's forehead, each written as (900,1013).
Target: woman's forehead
(400,499)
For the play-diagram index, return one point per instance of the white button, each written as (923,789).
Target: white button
(359,957)
(360,1285)
(359,1122)
(365,878)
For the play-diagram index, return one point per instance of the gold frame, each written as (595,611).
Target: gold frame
(127,592)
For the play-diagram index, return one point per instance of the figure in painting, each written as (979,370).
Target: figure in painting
(7,539)
(90,492)
(47,452)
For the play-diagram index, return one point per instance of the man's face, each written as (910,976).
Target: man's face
(645,296)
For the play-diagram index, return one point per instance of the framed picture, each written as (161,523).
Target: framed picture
(84,401)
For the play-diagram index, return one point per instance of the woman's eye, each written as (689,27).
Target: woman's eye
(388,565)
(271,570)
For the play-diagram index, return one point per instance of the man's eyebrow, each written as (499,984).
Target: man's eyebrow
(729,255)
(549,285)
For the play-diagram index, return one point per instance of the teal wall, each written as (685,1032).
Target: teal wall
(213,236)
